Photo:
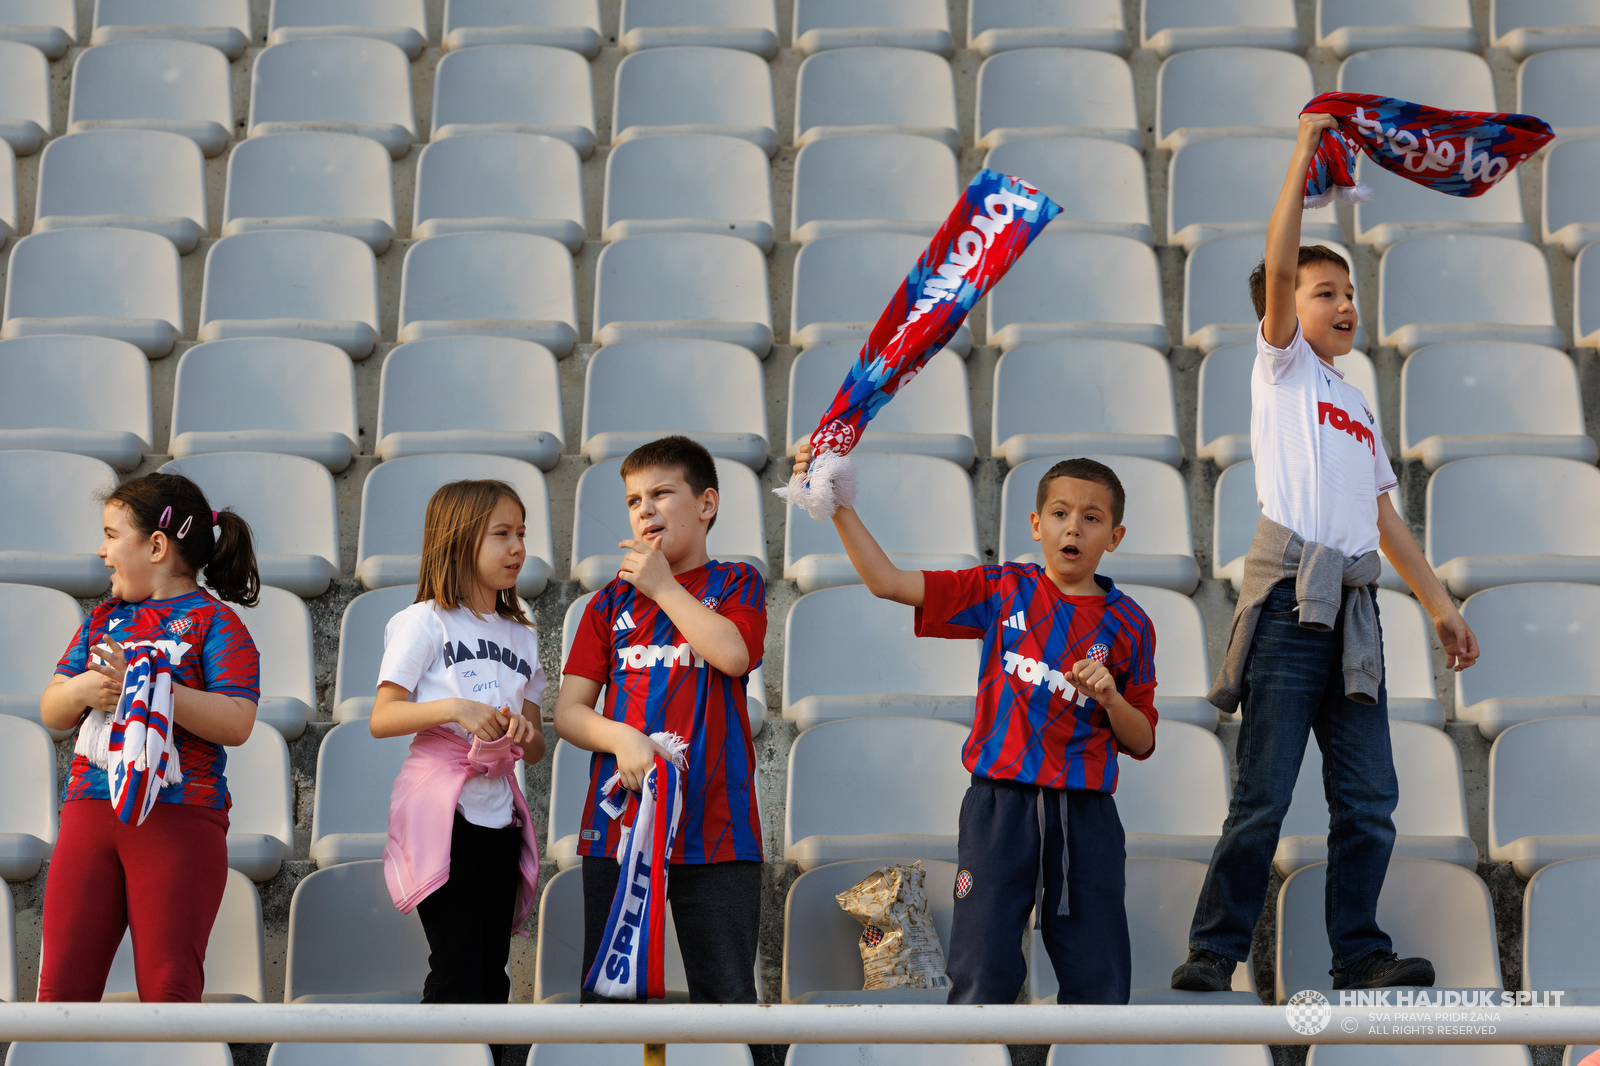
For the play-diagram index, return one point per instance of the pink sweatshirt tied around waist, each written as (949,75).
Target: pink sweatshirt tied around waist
(422,811)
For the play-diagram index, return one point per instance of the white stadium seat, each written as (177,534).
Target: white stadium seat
(1216,291)
(875,90)
(1557,951)
(361,632)
(600,521)
(403,23)
(289,503)
(1222,425)
(1172,26)
(512,182)
(1524,27)
(292,283)
(1348,26)
(50,26)
(350,813)
(1470,398)
(515,88)
(842,284)
(741,25)
(347,942)
(896,491)
(117,283)
(1570,216)
(1445,78)
(430,399)
(686,88)
(1056,92)
(27,801)
(572,24)
(1183,662)
(1536,660)
(1098,183)
(1065,396)
(380,1055)
(933,415)
(336,182)
(1223,188)
(1558,539)
(36,624)
(222,24)
(638,391)
(1400,209)
(9,220)
(1172,805)
(489,284)
(823,24)
(51,524)
(235,970)
(89,395)
(1217,93)
(688,183)
(1004,25)
(1586,300)
(261,394)
(1540,810)
(135,179)
(887,182)
(1560,87)
(8,947)
(280,625)
(261,820)
(175,86)
(395,496)
(702,286)
(24,95)
(1080,285)
(1465,287)
(340,84)
(1157,549)
(1408,660)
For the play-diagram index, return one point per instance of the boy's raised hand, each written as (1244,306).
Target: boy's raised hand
(1093,680)
(645,568)
(1311,127)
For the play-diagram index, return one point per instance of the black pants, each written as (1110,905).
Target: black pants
(716,909)
(468,918)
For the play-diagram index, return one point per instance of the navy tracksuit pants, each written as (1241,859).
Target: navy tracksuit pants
(998,875)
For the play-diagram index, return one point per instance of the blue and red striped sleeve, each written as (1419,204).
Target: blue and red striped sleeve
(591,645)
(229,660)
(959,604)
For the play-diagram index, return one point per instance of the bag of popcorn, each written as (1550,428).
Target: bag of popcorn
(899,948)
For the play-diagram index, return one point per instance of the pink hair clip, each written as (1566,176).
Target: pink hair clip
(183,531)
(213,518)
(166,517)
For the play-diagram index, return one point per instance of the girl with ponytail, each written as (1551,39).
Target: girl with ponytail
(159,869)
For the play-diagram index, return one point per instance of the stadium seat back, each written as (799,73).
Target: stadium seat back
(1559,942)
(1561,86)
(280,625)
(1069,285)
(51,526)
(885,182)
(1099,183)
(1228,91)
(1220,188)
(1173,804)
(356,85)
(347,941)
(873,89)
(511,182)
(1048,91)
(178,86)
(355,774)
(1003,25)
(517,285)
(361,633)
(692,88)
(843,282)
(698,285)
(222,24)
(36,625)
(1349,26)
(27,798)
(337,182)
(688,182)
(24,92)
(823,24)
(261,820)
(520,88)
(109,282)
(747,25)
(235,970)
(1538,811)
(573,24)
(133,178)
(934,419)
(1535,653)
(89,395)
(402,23)
(1456,80)
(1400,209)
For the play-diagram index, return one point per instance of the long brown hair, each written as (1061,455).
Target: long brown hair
(454,526)
(175,505)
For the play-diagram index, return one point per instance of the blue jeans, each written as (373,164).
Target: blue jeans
(1294,685)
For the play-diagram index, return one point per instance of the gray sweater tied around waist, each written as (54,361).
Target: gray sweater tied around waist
(1325,579)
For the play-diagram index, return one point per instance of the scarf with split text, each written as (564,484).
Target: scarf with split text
(135,744)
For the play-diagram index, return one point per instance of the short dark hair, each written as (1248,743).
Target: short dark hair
(1085,470)
(677,452)
(1309,253)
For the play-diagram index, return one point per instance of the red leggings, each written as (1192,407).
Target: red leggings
(164,879)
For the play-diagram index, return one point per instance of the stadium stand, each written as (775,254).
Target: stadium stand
(936,419)
(841,284)
(261,820)
(821,960)
(1465,286)
(1346,27)
(260,394)
(1213,93)
(24,96)
(1172,26)
(1429,908)
(292,283)
(1098,183)
(280,625)
(1157,549)
(1223,188)
(1155,1054)
(1470,398)
(89,395)
(508,182)
(1400,209)
(1556,950)
(117,283)
(361,632)
(51,26)
(134,179)
(288,501)
(1216,300)
(1524,27)
(27,798)
(820,25)
(1172,805)
(712,391)
(1539,811)
(875,90)
(886,182)
(222,24)
(8,946)
(402,23)
(1561,86)
(1108,396)
(1182,661)
(380,1055)
(688,182)
(36,624)
(235,964)
(743,25)
(1535,661)
(1445,78)
(995,26)
(430,400)
(347,942)
(51,537)
(683,88)
(336,182)
(838,808)
(395,495)
(1222,424)
(570,24)
(515,88)
(350,816)
(487,284)
(1055,92)
(118,1054)
(703,286)
(1569,217)
(1074,285)
(339,84)
(175,86)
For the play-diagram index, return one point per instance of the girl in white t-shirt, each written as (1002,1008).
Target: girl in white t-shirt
(461,671)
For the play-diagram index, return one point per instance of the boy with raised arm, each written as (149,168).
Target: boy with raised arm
(1305,653)
(1067,683)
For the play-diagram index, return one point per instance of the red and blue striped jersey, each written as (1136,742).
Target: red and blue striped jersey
(1030,724)
(656,683)
(209,649)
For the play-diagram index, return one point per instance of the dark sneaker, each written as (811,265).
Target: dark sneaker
(1204,971)
(1382,969)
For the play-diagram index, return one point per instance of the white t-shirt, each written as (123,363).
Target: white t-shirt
(438,655)
(1320,462)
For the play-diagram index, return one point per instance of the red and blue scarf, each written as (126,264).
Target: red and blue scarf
(991,225)
(134,744)
(1462,153)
